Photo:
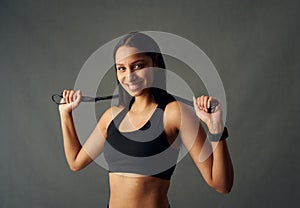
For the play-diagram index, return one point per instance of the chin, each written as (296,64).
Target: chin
(134,94)
(137,93)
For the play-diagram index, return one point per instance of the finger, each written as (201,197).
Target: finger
(77,97)
(201,102)
(209,102)
(71,96)
(205,99)
(64,93)
(198,103)
(67,96)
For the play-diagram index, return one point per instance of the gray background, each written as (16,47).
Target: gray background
(253,44)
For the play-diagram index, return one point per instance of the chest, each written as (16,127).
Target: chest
(153,122)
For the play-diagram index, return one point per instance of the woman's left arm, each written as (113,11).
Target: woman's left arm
(211,158)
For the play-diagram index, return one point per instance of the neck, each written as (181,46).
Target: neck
(142,102)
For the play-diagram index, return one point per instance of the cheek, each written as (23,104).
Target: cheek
(150,75)
(119,77)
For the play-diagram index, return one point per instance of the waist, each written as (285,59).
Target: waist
(138,190)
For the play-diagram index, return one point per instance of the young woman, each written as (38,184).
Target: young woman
(146,124)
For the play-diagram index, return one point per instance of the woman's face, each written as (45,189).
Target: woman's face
(134,70)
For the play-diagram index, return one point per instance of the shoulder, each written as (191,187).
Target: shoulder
(175,111)
(172,109)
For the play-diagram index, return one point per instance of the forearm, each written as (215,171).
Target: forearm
(215,162)
(222,169)
(72,145)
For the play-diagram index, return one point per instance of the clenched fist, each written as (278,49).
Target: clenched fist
(72,99)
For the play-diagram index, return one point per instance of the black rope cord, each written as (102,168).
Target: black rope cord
(57,97)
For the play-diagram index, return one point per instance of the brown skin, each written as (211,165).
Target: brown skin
(135,75)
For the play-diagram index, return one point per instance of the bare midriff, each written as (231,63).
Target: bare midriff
(129,190)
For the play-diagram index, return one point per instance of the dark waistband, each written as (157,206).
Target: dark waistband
(169,206)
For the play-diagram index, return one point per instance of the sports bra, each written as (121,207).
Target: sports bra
(145,151)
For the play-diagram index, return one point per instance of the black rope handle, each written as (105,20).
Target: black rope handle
(56,99)
(211,109)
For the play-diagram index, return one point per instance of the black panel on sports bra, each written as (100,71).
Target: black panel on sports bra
(144,151)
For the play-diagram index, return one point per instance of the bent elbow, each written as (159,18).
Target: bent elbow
(225,190)
(73,167)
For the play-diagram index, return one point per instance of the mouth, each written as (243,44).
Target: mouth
(135,86)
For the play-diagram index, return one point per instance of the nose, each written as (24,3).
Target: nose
(131,76)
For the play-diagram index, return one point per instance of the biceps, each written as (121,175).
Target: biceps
(94,144)
(194,138)
(191,131)
(200,151)
(91,149)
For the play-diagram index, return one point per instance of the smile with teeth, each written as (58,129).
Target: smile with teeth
(135,86)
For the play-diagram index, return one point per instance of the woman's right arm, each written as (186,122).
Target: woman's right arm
(79,156)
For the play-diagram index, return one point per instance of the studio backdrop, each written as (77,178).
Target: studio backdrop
(253,45)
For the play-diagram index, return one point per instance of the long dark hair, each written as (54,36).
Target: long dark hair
(149,47)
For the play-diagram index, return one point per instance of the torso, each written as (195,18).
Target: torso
(137,190)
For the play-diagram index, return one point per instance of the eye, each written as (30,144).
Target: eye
(121,68)
(139,66)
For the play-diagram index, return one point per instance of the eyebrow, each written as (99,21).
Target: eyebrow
(140,60)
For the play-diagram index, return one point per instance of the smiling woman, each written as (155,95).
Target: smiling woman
(139,44)
(146,124)
(134,72)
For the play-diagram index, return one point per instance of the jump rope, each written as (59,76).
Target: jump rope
(57,97)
